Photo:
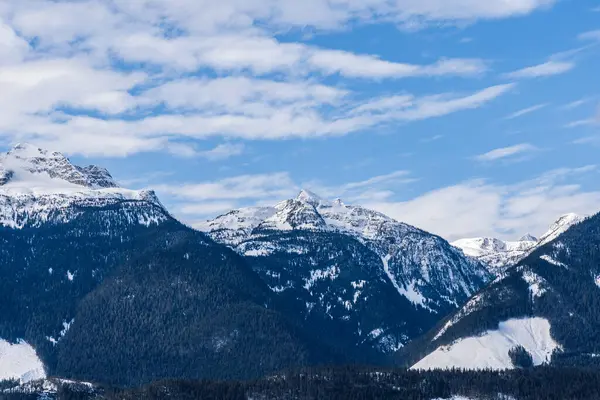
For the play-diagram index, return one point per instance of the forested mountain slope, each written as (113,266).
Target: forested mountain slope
(363,280)
(101,283)
(549,304)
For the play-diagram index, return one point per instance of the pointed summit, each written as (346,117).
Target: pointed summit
(306,196)
(560,226)
(528,238)
(26,159)
(28,150)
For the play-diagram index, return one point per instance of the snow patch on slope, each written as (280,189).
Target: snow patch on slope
(552,261)
(20,361)
(330,273)
(409,292)
(559,227)
(490,350)
(474,304)
(536,284)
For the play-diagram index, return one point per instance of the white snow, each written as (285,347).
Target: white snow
(552,261)
(374,334)
(500,255)
(410,291)
(330,273)
(66,327)
(418,255)
(39,185)
(358,285)
(412,294)
(20,361)
(472,305)
(560,226)
(597,281)
(258,252)
(490,350)
(496,253)
(536,283)
(70,276)
(457,398)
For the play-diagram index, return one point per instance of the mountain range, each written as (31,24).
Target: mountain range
(499,255)
(546,307)
(102,283)
(359,270)
(97,280)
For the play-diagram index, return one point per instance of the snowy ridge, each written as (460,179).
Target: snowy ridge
(20,361)
(499,255)
(422,267)
(490,350)
(36,161)
(38,186)
(559,227)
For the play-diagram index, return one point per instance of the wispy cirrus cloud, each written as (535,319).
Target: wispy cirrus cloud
(546,69)
(590,35)
(478,208)
(576,104)
(238,109)
(466,209)
(526,111)
(506,152)
(128,77)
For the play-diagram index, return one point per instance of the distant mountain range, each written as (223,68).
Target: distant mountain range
(357,271)
(499,255)
(101,283)
(547,308)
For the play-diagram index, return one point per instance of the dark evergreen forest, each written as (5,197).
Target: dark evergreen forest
(356,383)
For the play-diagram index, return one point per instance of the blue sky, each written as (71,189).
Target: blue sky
(463,117)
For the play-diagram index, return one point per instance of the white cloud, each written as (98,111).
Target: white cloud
(580,122)
(526,111)
(204,16)
(223,151)
(266,113)
(593,120)
(549,68)
(241,95)
(590,35)
(468,209)
(354,65)
(45,85)
(246,187)
(505,152)
(414,109)
(149,75)
(13,48)
(576,104)
(480,208)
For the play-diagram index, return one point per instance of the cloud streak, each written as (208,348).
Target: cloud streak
(505,152)
(526,111)
(149,75)
(547,69)
(466,209)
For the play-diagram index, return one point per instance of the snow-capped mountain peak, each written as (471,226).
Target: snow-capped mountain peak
(528,238)
(560,226)
(38,185)
(499,255)
(306,196)
(26,162)
(421,266)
